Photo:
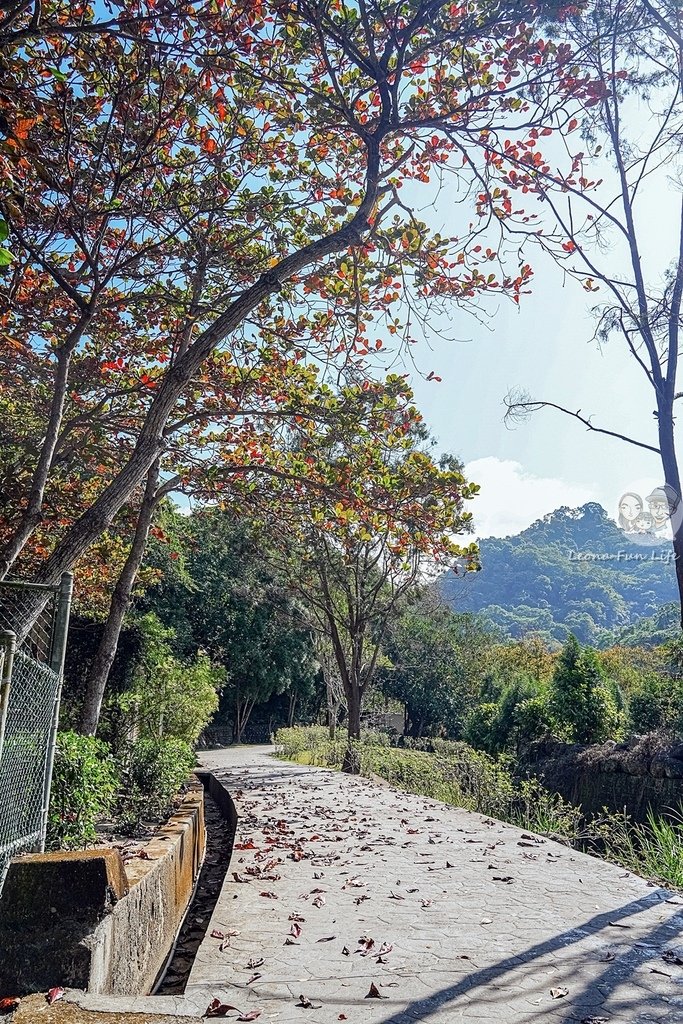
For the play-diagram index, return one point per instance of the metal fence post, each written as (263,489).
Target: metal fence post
(8,646)
(57,655)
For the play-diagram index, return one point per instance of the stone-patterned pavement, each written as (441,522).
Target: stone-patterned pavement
(340,886)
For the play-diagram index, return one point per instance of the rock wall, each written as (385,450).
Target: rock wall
(645,773)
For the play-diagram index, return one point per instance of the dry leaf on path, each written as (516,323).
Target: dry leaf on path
(375,993)
(559,993)
(306,1004)
(218,1009)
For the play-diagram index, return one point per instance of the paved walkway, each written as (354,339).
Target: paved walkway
(348,900)
(340,887)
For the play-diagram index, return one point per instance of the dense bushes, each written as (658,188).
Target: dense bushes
(89,783)
(163,707)
(153,771)
(84,785)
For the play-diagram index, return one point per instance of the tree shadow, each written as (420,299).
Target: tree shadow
(599,997)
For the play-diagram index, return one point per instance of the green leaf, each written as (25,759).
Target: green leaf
(6,257)
(59,75)
(4,230)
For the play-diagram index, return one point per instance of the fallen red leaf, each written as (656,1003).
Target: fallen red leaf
(54,994)
(9,1003)
(374,993)
(218,1009)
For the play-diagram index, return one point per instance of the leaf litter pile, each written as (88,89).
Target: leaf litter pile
(313,868)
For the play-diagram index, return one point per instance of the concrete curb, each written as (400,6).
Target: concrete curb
(86,920)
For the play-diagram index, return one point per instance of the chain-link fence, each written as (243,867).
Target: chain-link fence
(34,621)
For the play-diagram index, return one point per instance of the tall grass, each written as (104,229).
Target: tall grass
(457,774)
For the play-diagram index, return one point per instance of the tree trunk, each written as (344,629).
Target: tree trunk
(291,710)
(667,447)
(243,710)
(34,506)
(351,763)
(120,603)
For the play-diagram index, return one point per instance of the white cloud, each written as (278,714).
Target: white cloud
(511,499)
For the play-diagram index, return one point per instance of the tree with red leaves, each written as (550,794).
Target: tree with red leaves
(199,186)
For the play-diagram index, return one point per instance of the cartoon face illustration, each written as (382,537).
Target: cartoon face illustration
(644,523)
(630,507)
(659,506)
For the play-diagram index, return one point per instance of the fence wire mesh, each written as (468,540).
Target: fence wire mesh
(29,611)
(38,616)
(25,753)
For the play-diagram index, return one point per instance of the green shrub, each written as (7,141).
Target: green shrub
(84,784)
(655,704)
(153,772)
(167,697)
(481,726)
(582,708)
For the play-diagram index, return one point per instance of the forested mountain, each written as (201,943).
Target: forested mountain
(572,571)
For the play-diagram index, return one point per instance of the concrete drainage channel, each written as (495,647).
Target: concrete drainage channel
(113,934)
(220,836)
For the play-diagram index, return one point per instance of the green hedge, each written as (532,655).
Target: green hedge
(84,784)
(152,772)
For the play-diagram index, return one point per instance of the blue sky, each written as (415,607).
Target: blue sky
(546,347)
(550,460)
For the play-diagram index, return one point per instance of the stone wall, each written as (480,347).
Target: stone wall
(642,774)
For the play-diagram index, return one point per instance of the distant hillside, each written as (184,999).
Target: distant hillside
(572,571)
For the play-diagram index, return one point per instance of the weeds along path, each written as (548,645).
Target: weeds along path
(349,900)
